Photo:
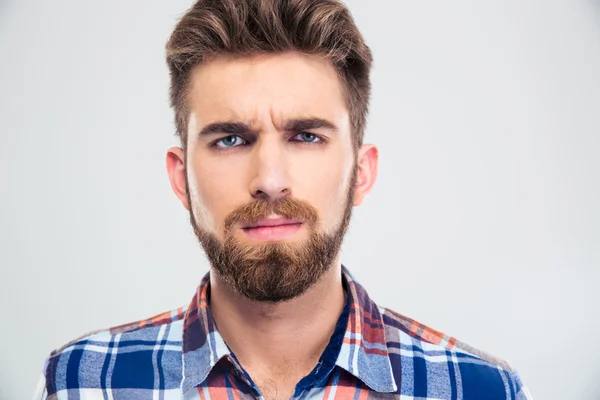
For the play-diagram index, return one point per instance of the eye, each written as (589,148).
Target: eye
(230,141)
(307,137)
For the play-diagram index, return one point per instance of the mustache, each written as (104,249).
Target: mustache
(286,207)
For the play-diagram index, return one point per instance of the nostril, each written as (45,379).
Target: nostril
(262,195)
(259,194)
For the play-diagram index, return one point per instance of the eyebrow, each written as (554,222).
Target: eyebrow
(304,124)
(290,125)
(230,128)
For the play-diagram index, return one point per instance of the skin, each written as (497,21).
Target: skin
(277,343)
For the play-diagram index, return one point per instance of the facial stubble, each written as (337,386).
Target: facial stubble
(280,271)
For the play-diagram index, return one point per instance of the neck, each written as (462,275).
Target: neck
(288,336)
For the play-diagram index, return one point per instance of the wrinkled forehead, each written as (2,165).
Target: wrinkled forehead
(265,91)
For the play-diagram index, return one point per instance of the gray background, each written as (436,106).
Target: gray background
(484,222)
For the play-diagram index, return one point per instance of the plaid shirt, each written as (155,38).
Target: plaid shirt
(374,353)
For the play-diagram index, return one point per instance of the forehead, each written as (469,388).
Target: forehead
(267,89)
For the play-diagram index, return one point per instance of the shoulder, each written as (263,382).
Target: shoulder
(107,358)
(433,363)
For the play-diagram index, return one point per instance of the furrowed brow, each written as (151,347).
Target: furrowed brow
(305,124)
(229,128)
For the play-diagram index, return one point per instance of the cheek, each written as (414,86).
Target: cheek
(213,193)
(325,186)
(334,191)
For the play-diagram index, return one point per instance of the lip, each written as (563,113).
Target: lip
(272,229)
(271,222)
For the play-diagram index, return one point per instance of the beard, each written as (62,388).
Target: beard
(280,271)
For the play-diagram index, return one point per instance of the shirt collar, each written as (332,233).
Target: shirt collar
(363,353)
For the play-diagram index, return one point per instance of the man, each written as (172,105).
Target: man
(270,100)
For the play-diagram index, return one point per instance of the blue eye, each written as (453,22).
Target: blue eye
(236,141)
(230,141)
(307,137)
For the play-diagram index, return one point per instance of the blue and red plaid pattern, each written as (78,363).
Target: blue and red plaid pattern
(180,355)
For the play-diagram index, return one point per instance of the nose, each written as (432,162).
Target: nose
(270,181)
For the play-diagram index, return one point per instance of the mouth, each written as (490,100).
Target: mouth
(272,229)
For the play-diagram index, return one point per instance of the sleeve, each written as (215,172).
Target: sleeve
(521,391)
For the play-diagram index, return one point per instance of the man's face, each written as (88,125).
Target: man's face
(270,171)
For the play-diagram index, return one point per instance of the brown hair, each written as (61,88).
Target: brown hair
(211,28)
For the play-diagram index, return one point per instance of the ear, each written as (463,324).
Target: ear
(368,164)
(176,172)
